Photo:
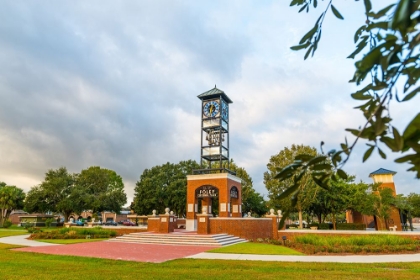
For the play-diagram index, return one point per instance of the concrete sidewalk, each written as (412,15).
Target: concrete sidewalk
(333,259)
(23,241)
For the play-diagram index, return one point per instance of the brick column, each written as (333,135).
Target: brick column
(153,223)
(274,224)
(167,222)
(203,223)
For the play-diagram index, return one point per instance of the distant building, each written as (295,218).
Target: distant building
(386,180)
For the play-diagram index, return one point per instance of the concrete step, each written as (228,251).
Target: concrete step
(179,239)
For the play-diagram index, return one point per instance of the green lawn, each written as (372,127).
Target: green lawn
(6,232)
(22,265)
(256,248)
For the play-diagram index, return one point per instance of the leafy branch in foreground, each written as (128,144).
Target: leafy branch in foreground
(388,42)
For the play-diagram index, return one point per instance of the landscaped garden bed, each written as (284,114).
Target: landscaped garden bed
(74,233)
(379,244)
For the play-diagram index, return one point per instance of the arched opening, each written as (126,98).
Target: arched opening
(207,199)
(234,202)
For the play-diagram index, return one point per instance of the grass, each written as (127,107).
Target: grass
(256,249)
(22,266)
(316,244)
(70,241)
(6,232)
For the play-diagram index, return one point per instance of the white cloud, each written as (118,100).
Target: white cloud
(115,84)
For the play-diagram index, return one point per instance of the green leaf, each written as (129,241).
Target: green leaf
(355,132)
(287,172)
(308,52)
(359,32)
(406,158)
(299,47)
(412,128)
(288,191)
(368,153)
(360,95)
(368,6)
(336,12)
(384,10)
(303,8)
(316,160)
(401,18)
(283,219)
(380,24)
(390,143)
(294,199)
(304,157)
(343,175)
(320,182)
(294,2)
(399,141)
(411,94)
(322,166)
(381,153)
(359,48)
(309,34)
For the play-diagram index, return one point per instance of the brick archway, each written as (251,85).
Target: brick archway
(224,183)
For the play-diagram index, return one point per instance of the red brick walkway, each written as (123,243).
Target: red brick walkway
(121,251)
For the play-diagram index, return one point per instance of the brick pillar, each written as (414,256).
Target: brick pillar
(167,222)
(274,223)
(153,223)
(203,223)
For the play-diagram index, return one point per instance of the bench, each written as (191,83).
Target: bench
(394,228)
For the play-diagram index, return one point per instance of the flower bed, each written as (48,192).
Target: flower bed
(383,244)
(75,233)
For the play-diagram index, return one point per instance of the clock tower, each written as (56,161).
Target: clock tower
(214,185)
(214,129)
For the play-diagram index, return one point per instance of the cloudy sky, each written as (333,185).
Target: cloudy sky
(115,84)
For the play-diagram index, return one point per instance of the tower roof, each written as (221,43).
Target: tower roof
(382,171)
(214,92)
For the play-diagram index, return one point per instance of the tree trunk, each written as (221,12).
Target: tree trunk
(333,221)
(300,219)
(319,216)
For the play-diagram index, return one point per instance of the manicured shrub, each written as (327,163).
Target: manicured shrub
(75,233)
(350,226)
(33,229)
(48,222)
(325,226)
(7,224)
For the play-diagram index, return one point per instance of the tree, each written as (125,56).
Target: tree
(303,193)
(414,200)
(11,198)
(101,189)
(57,193)
(163,186)
(388,47)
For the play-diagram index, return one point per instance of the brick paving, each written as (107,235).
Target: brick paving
(121,251)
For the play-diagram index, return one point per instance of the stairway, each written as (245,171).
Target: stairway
(215,240)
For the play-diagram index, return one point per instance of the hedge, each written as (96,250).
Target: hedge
(351,226)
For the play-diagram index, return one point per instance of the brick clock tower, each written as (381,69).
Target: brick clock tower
(214,184)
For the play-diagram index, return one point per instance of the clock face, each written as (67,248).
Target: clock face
(211,109)
(225,112)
